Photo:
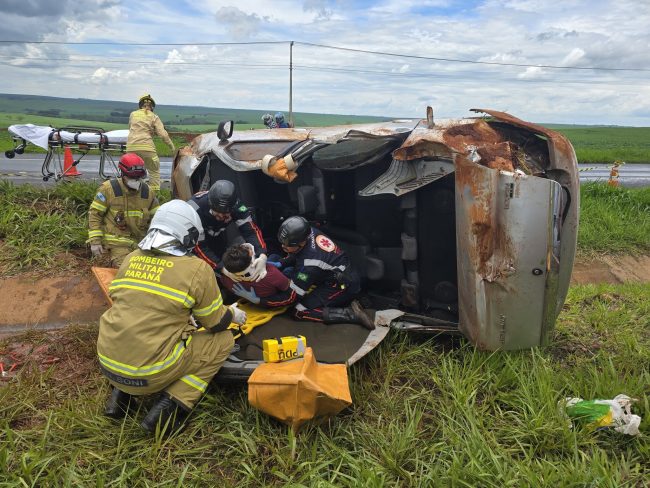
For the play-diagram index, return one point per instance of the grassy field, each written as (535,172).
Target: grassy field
(608,144)
(425,413)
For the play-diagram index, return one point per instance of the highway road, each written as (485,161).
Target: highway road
(26,168)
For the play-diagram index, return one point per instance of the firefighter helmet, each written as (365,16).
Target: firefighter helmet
(294,231)
(178,219)
(132,166)
(222,196)
(146,98)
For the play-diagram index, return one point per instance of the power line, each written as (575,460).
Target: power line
(324,46)
(453,60)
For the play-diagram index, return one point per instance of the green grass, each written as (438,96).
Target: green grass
(608,144)
(424,413)
(38,224)
(614,220)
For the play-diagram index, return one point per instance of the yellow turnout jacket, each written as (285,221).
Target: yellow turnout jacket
(119,216)
(147,330)
(143,125)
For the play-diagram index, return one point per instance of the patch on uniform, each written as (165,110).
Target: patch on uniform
(100,196)
(243,208)
(302,276)
(325,243)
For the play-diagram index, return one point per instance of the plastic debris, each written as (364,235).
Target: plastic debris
(603,414)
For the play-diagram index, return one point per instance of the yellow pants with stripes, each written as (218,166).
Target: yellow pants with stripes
(188,378)
(152,163)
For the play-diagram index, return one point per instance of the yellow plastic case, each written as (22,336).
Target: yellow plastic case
(284,348)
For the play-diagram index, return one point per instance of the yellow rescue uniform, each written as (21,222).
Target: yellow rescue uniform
(146,343)
(143,126)
(119,217)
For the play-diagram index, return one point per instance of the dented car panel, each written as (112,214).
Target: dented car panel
(495,195)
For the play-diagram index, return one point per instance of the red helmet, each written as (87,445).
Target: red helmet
(132,166)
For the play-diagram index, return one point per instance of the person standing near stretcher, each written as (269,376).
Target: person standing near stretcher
(143,125)
(121,211)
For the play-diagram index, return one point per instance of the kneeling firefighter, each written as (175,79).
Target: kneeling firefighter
(146,341)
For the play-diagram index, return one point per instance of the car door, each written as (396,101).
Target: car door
(508,241)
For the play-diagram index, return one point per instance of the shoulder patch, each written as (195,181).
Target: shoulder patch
(100,196)
(325,243)
(243,208)
(302,276)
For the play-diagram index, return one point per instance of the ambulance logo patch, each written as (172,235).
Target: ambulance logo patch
(243,208)
(325,243)
(302,276)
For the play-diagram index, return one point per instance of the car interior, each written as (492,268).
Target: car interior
(404,248)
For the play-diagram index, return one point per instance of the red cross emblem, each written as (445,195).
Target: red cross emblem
(325,243)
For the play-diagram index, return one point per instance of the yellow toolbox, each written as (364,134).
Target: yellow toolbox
(284,348)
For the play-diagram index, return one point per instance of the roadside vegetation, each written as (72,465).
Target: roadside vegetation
(38,224)
(609,144)
(426,412)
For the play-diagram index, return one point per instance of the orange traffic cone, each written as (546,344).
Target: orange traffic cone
(69,169)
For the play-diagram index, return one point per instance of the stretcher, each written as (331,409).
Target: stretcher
(80,140)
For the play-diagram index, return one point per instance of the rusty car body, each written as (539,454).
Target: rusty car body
(465,225)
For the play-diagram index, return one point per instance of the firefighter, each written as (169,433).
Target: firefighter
(323,282)
(217,208)
(147,340)
(143,125)
(121,211)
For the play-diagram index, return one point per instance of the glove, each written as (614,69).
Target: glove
(259,268)
(249,295)
(97,250)
(238,316)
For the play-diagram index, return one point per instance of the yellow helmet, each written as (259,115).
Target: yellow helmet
(145,98)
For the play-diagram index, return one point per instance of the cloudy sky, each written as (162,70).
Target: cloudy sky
(451,54)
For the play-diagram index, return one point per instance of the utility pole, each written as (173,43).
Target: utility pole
(291,84)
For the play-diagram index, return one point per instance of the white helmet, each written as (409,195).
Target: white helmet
(178,219)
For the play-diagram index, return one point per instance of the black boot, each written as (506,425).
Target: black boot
(118,404)
(354,314)
(168,413)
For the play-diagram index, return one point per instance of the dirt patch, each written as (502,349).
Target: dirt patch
(612,269)
(51,301)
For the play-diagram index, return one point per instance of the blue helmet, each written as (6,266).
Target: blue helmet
(279,117)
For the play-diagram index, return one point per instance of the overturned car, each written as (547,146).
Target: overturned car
(465,225)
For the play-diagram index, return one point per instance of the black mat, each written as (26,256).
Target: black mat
(331,343)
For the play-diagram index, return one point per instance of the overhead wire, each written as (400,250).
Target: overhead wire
(326,46)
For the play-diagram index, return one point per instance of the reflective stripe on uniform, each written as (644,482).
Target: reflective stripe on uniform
(322,265)
(153,210)
(195,382)
(135,213)
(117,239)
(95,233)
(147,370)
(297,289)
(160,290)
(98,206)
(203,312)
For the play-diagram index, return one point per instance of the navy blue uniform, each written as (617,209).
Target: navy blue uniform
(214,245)
(322,277)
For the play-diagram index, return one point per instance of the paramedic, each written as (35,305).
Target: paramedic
(322,281)
(143,125)
(279,121)
(268,121)
(217,208)
(121,211)
(146,343)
